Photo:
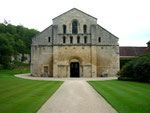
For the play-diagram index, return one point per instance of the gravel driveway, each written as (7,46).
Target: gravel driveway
(74,96)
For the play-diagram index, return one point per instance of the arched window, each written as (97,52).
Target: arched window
(74,27)
(85,28)
(49,39)
(85,39)
(64,29)
(64,39)
(71,39)
(99,39)
(78,39)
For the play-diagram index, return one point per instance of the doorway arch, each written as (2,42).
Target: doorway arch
(74,69)
(75,60)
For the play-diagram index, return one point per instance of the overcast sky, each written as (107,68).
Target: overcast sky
(127,19)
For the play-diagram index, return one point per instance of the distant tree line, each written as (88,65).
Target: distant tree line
(14,40)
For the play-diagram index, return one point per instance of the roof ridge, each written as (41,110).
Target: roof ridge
(41,31)
(107,31)
(71,10)
(148,42)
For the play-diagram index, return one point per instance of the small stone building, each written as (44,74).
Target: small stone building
(75,46)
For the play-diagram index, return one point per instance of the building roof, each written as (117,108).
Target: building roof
(77,10)
(108,31)
(133,51)
(148,42)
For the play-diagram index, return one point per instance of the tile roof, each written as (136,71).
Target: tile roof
(133,51)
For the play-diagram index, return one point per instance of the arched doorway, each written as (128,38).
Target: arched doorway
(74,69)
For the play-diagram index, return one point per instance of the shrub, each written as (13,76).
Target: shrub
(127,78)
(137,69)
(15,65)
(1,67)
(124,61)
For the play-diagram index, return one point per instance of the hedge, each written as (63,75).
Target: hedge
(124,61)
(137,69)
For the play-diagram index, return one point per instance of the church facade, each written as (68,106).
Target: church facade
(74,46)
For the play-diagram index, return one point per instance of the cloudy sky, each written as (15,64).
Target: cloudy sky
(127,19)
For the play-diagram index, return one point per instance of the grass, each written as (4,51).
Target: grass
(125,96)
(24,96)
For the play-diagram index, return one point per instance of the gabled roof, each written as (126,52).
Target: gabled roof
(148,42)
(133,51)
(77,10)
(108,31)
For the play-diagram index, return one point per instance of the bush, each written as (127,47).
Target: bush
(137,69)
(124,61)
(127,79)
(15,65)
(1,67)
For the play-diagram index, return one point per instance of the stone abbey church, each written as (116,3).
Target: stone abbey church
(74,46)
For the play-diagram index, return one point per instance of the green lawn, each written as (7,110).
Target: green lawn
(24,96)
(125,96)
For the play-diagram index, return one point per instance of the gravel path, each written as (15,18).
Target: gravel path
(27,76)
(74,96)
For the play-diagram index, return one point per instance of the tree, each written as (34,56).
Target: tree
(2,28)
(11,29)
(21,48)
(6,51)
(137,69)
(14,40)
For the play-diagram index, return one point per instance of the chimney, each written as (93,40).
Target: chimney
(148,44)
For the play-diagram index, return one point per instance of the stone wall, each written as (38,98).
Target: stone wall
(64,55)
(43,37)
(107,60)
(104,60)
(68,18)
(41,56)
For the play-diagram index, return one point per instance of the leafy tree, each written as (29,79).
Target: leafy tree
(11,29)
(21,48)
(6,50)
(137,69)
(2,28)
(14,40)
